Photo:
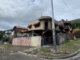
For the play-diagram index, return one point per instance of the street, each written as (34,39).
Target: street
(6,55)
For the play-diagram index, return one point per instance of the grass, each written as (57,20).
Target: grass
(6,46)
(39,50)
(70,46)
(28,52)
(63,49)
(57,53)
(45,50)
(32,52)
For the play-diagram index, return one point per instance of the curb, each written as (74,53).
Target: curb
(71,55)
(68,56)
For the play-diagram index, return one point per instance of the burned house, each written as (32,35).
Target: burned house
(39,32)
(63,26)
(41,27)
(63,31)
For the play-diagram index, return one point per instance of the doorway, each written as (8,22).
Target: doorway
(47,36)
(46,25)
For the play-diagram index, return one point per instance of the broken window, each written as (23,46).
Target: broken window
(46,25)
(30,26)
(37,25)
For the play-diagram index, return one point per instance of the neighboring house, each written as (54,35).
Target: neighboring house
(63,26)
(8,33)
(19,31)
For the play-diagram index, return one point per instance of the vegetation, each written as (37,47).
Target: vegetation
(77,33)
(64,49)
(39,50)
(70,46)
(75,23)
(1,36)
(2,32)
(6,46)
(5,39)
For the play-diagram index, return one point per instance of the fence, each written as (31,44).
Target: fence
(65,37)
(27,41)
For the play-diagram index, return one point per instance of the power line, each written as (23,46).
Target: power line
(24,11)
(33,12)
(69,8)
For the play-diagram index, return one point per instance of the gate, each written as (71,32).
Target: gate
(42,41)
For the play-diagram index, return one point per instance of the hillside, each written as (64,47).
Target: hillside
(75,23)
(2,32)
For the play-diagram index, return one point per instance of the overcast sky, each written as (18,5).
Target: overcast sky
(11,9)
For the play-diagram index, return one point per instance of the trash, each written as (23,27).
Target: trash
(48,54)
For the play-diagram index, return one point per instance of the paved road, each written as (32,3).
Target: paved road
(5,55)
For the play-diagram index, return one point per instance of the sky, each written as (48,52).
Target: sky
(21,12)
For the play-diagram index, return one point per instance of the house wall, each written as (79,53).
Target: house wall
(36,41)
(17,32)
(33,27)
(49,24)
(27,41)
(62,38)
(8,34)
(41,27)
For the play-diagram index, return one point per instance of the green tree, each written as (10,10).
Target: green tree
(75,23)
(1,36)
(5,39)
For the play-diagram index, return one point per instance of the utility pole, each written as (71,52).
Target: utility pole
(53,27)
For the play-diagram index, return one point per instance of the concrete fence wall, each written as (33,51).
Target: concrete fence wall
(65,37)
(62,38)
(27,41)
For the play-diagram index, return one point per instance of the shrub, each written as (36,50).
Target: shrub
(1,36)
(5,39)
(77,33)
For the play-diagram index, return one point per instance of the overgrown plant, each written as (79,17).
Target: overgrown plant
(5,39)
(77,33)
